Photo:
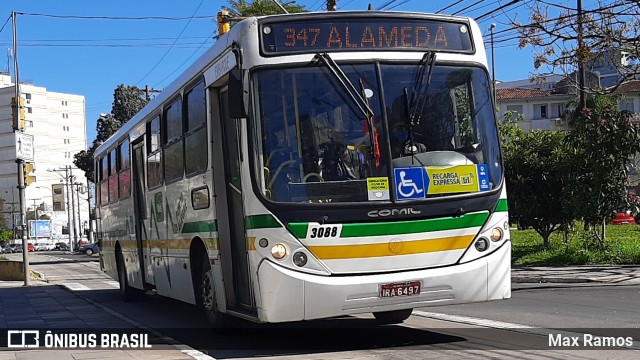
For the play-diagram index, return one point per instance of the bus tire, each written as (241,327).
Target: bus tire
(392,317)
(127,293)
(207,297)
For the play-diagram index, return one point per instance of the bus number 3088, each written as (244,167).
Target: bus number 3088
(319,232)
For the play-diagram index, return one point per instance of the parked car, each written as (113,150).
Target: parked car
(8,249)
(89,249)
(30,247)
(17,248)
(622,218)
(41,247)
(62,246)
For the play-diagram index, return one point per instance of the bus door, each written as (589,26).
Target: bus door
(229,205)
(140,210)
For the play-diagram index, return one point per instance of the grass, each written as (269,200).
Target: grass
(622,247)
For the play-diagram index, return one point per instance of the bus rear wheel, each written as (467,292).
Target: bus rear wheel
(392,317)
(207,297)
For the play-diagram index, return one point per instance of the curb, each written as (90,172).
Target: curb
(541,280)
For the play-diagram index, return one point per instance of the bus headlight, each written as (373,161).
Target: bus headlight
(481,244)
(278,251)
(300,259)
(496,234)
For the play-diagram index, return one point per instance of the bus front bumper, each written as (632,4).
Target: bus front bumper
(286,295)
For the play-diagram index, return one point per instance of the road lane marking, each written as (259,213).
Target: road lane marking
(76,286)
(506,326)
(183,348)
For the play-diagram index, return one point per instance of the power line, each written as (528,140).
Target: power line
(393,7)
(208,17)
(113,39)
(5,24)
(465,8)
(167,52)
(497,9)
(184,62)
(449,6)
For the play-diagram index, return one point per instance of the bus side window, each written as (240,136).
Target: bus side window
(195,138)
(124,170)
(104,180)
(113,177)
(173,150)
(154,157)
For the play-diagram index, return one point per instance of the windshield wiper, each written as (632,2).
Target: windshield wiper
(359,98)
(421,87)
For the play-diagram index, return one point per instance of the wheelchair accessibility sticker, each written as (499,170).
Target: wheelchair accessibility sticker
(410,183)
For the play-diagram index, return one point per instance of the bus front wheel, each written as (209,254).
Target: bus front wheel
(127,293)
(207,299)
(392,317)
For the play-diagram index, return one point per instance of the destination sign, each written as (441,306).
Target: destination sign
(365,34)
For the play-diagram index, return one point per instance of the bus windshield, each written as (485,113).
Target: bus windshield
(426,137)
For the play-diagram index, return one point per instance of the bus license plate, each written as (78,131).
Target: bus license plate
(400,289)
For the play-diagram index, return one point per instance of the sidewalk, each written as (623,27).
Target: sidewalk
(49,307)
(611,274)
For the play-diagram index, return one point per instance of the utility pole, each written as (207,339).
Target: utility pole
(90,236)
(581,50)
(73,214)
(20,162)
(332,5)
(77,185)
(493,65)
(148,90)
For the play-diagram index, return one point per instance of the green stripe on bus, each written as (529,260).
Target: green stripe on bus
(410,227)
(299,230)
(261,222)
(200,226)
(502,205)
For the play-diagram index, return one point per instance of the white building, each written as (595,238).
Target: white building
(57,122)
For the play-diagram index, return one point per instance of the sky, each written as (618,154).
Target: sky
(86,48)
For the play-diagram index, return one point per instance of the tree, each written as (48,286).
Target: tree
(534,171)
(603,142)
(127,101)
(607,33)
(261,7)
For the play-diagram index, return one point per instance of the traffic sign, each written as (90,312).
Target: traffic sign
(24,146)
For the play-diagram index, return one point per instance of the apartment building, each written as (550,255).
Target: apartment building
(57,122)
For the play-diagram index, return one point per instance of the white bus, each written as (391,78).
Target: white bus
(314,165)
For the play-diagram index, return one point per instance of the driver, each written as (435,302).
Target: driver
(401,144)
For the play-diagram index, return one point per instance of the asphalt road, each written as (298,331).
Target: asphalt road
(514,328)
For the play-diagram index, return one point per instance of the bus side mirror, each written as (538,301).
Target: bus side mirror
(236,94)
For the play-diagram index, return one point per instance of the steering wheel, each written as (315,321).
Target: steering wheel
(279,170)
(304,179)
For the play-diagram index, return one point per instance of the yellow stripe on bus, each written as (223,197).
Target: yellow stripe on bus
(391,248)
(184,244)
